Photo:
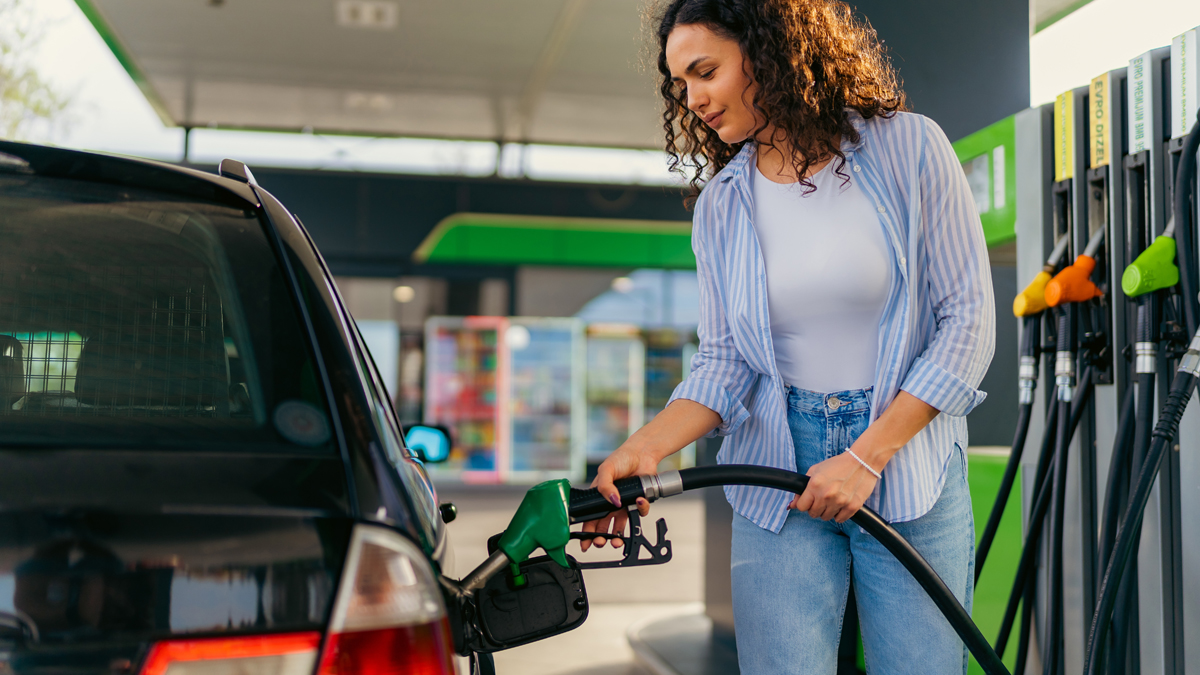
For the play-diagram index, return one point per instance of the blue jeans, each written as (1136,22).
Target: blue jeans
(789,589)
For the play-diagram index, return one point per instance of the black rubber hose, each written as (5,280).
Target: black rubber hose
(1119,470)
(1026,629)
(1185,183)
(1124,618)
(1040,505)
(1006,484)
(1025,568)
(1058,490)
(913,561)
(1164,434)
(1029,338)
(1052,649)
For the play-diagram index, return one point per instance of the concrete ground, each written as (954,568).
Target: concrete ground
(619,597)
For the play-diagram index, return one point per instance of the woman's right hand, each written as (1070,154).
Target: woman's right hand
(625,461)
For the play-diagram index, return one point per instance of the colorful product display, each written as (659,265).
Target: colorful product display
(463,370)
(512,393)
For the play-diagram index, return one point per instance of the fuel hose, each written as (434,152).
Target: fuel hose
(1030,335)
(1115,582)
(1182,388)
(590,504)
(1042,490)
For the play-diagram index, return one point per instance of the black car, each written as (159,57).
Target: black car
(200,470)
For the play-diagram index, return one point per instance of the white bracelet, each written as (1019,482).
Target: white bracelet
(865,465)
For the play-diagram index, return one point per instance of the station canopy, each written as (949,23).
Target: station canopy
(530,71)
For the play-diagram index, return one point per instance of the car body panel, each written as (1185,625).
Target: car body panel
(104,548)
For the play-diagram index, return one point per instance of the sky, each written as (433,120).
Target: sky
(110,114)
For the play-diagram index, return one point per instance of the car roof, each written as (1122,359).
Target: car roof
(126,171)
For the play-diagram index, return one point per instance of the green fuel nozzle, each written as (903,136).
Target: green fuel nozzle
(1153,270)
(540,522)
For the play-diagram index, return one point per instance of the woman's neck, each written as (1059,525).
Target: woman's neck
(774,160)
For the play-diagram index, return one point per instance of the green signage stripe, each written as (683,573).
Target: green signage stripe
(126,60)
(516,240)
(1059,15)
(999,224)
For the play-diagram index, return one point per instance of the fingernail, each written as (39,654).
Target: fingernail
(616,501)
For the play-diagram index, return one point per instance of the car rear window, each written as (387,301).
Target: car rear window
(129,314)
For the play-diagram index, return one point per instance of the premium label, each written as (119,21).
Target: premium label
(1139,108)
(1064,136)
(1099,120)
(1184,71)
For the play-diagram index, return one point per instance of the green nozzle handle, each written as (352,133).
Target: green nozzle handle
(540,522)
(1153,270)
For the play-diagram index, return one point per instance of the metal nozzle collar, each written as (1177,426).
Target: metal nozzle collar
(1028,369)
(1025,393)
(665,484)
(1064,365)
(1190,363)
(1146,357)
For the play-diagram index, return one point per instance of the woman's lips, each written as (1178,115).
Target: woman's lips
(714,119)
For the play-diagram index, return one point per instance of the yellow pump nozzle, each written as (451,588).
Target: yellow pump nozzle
(1074,283)
(1033,299)
(1153,270)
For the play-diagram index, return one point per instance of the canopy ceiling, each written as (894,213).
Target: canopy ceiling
(542,71)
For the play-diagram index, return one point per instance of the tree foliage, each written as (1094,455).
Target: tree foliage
(27,101)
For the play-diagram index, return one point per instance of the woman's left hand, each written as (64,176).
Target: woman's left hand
(837,489)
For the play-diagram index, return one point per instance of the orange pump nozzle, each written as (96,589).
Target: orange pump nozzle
(1033,299)
(1074,283)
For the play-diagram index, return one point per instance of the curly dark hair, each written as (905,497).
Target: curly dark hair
(811,59)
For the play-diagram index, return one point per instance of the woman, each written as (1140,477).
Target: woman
(846,323)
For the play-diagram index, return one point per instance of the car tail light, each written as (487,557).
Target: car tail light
(288,654)
(389,616)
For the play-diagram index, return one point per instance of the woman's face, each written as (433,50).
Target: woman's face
(714,75)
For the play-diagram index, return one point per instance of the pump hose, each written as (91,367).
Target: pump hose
(1164,432)
(1185,182)
(1006,483)
(583,503)
(1025,412)
(1129,530)
(1119,468)
(1039,507)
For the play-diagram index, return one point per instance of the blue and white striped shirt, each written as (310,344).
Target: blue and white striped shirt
(936,336)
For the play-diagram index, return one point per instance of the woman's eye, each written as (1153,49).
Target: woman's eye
(707,75)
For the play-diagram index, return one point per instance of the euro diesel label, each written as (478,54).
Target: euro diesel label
(1099,120)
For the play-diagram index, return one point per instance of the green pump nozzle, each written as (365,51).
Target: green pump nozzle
(1153,270)
(540,522)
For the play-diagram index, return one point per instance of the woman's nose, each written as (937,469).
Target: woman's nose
(696,99)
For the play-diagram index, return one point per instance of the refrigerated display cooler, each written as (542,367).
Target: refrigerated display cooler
(668,354)
(464,369)
(616,388)
(548,420)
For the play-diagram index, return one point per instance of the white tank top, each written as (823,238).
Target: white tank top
(829,271)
